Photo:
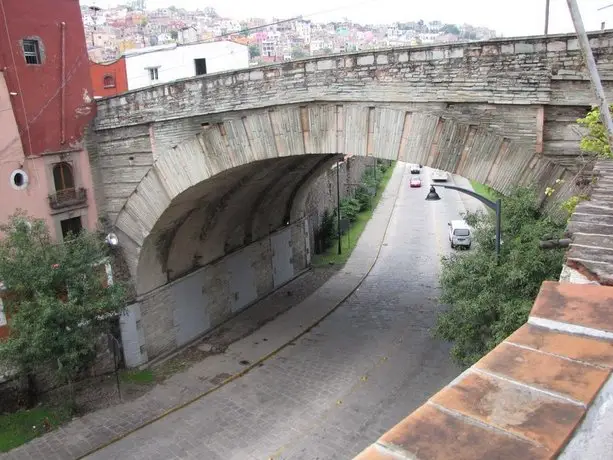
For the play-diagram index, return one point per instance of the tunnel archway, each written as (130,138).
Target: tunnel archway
(244,179)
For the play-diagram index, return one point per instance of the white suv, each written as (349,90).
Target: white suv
(459,234)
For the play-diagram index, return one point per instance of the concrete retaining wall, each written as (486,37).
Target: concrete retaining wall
(180,311)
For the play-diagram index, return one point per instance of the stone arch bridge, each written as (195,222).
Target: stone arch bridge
(209,175)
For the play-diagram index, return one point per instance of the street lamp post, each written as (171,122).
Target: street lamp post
(338,197)
(495,205)
(338,204)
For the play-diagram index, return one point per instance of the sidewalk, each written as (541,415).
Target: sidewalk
(470,204)
(97,429)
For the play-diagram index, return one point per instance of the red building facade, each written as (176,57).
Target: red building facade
(46,102)
(109,78)
(44,58)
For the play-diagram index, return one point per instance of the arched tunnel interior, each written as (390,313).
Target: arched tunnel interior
(230,240)
(220,219)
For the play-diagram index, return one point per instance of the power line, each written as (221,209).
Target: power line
(230,34)
(264,26)
(214,39)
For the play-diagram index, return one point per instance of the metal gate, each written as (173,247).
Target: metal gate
(282,267)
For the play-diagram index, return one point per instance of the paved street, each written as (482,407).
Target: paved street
(361,370)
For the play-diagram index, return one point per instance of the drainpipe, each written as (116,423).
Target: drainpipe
(63,93)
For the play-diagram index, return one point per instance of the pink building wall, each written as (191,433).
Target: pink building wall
(45,106)
(34,197)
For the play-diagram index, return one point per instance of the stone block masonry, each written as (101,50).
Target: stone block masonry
(525,71)
(192,171)
(526,90)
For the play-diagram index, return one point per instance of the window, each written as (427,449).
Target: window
(153,73)
(200,66)
(461,232)
(71,226)
(31,51)
(109,81)
(63,177)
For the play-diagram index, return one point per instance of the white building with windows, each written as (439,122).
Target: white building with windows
(165,63)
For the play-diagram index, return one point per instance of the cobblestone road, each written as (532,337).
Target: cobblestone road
(343,384)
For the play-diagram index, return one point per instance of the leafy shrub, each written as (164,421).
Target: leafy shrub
(327,230)
(350,208)
(489,300)
(363,197)
(57,297)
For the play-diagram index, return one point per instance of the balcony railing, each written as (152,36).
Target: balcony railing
(67,197)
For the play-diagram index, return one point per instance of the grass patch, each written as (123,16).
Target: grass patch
(143,377)
(484,190)
(171,367)
(20,427)
(350,239)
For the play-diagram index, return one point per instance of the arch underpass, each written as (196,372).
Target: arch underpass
(199,174)
(218,221)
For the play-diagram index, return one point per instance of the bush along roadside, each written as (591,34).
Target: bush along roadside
(488,299)
(357,210)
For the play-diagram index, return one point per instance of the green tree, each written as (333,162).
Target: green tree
(174,34)
(254,51)
(596,139)
(488,300)
(450,29)
(57,298)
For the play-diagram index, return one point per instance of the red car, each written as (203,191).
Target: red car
(415,182)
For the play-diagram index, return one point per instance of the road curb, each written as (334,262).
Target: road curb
(269,355)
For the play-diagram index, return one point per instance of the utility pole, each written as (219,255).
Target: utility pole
(94,9)
(546,17)
(584,43)
(338,204)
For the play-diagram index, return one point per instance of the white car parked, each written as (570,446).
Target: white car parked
(439,176)
(459,234)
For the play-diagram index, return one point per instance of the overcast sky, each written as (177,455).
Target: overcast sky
(509,17)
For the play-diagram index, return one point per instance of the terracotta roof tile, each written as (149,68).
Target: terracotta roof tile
(579,304)
(581,348)
(432,434)
(547,372)
(529,414)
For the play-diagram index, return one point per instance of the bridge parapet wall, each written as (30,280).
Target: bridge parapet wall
(530,70)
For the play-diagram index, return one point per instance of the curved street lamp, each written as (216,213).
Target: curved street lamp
(495,205)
